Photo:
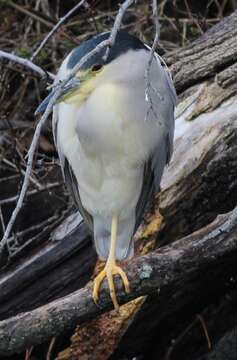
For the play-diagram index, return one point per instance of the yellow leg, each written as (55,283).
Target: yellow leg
(111,269)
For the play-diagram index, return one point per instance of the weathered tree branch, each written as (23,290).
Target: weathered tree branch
(210,54)
(180,261)
(27,63)
(57,26)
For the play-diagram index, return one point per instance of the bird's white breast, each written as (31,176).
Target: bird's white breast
(106,141)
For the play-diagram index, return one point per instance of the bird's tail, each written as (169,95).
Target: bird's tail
(124,241)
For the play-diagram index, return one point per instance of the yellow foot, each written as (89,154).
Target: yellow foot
(109,271)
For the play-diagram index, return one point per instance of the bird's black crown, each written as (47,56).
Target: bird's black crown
(123,43)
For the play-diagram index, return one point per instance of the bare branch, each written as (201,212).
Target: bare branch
(2,220)
(149,86)
(30,193)
(33,15)
(57,26)
(117,24)
(57,93)
(181,261)
(26,181)
(32,179)
(27,63)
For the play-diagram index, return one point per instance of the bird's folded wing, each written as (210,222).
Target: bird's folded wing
(73,188)
(69,175)
(164,104)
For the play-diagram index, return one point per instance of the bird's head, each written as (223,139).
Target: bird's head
(126,63)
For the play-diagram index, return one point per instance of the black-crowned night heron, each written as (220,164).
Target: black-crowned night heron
(114,142)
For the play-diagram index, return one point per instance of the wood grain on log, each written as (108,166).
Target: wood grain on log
(62,266)
(210,54)
(200,182)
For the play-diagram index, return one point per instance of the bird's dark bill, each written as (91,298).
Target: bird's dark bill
(68,90)
(42,107)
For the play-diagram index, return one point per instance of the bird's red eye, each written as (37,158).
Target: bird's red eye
(96,67)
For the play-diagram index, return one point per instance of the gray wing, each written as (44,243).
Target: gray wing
(71,182)
(165,105)
(69,175)
(152,173)
(154,167)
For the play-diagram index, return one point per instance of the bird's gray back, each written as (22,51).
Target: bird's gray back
(161,106)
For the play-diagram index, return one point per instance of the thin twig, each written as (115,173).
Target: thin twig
(118,20)
(27,63)
(149,86)
(34,181)
(200,318)
(2,220)
(28,353)
(59,88)
(31,14)
(14,248)
(56,27)
(26,181)
(191,17)
(30,193)
(176,341)
(51,345)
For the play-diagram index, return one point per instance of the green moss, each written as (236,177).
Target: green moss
(43,56)
(23,52)
(194,31)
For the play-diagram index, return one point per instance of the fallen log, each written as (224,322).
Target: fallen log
(207,56)
(62,266)
(179,262)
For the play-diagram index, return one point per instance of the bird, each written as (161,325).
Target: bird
(114,142)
